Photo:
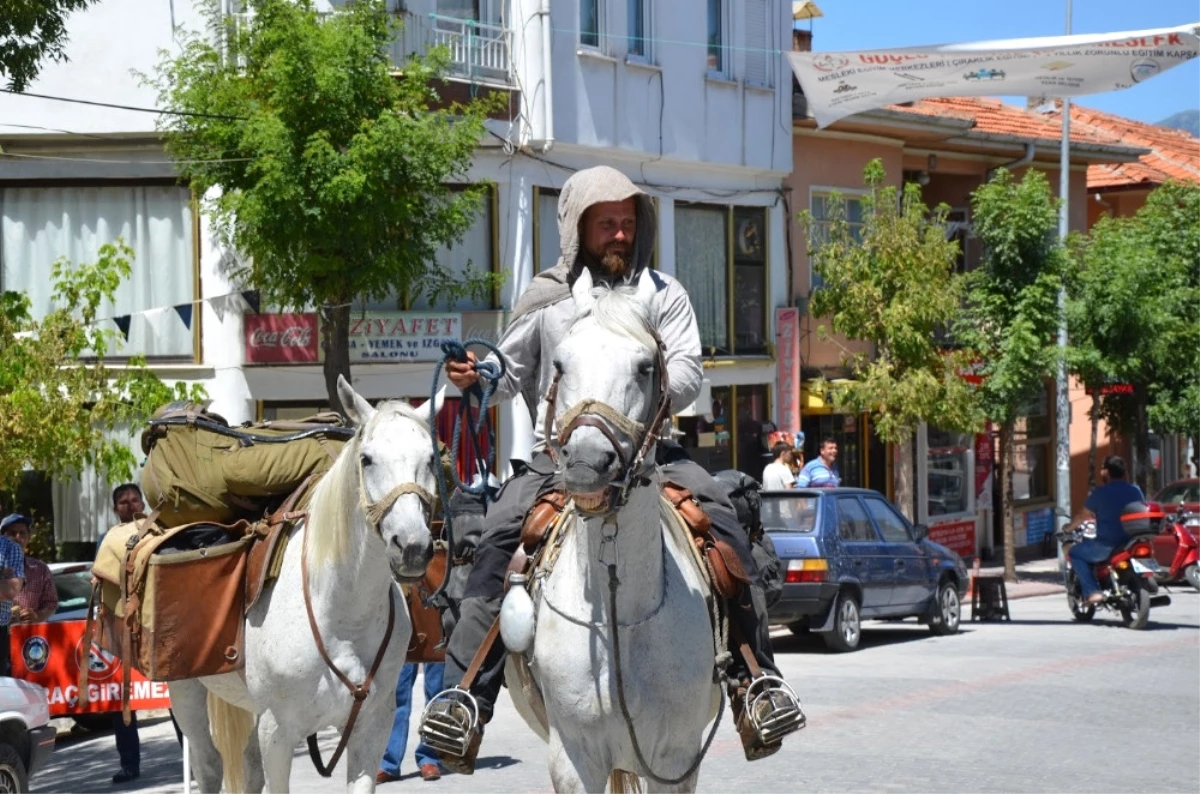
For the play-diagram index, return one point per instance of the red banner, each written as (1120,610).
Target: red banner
(280,338)
(49,654)
(787,369)
(958,536)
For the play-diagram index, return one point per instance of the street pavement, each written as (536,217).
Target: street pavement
(1038,704)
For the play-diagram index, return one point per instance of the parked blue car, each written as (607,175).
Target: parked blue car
(850,555)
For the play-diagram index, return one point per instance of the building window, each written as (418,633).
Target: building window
(546,237)
(948,471)
(636,30)
(39,225)
(958,227)
(753,425)
(1033,451)
(828,209)
(716,37)
(759,50)
(591,27)
(731,436)
(476,250)
(720,258)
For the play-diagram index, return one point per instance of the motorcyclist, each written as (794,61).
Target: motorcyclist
(607,225)
(1105,506)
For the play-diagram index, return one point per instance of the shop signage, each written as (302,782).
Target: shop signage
(1112,388)
(983,469)
(958,536)
(49,654)
(787,368)
(281,338)
(840,84)
(380,337)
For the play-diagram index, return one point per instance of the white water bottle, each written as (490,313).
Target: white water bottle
(516,616)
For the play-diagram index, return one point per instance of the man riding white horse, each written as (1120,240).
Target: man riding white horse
(608,226)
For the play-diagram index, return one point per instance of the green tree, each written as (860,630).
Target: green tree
(30,32)
(1011,314)
(322,166)
(894,285)
(57,398)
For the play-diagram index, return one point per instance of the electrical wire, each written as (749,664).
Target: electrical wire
(102,161)
(133,108)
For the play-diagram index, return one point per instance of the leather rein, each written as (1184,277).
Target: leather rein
(375,513)
(603,417)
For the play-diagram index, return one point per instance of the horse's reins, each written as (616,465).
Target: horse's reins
(603,417)
(374,512)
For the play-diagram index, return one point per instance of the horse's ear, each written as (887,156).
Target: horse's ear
(646,288)
(582,291)
(354,404)
(439,400)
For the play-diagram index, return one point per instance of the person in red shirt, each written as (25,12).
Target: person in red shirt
(38,600)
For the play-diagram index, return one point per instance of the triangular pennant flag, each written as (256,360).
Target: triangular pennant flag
(184,310)
(154,319)
(220,305)
(123,326)
(251,298)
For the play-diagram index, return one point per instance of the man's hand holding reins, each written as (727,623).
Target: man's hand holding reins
(463,373)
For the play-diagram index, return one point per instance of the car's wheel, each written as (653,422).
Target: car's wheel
(1192,574)
(12,770)
(946,610)
(847,625)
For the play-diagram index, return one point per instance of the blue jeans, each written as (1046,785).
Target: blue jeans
(1083,556)
(399,738)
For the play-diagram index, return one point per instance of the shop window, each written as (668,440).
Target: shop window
(1033,451)
(753,411)
(720,441)
(721,259)
(828,208)
(39,225)
(948,468)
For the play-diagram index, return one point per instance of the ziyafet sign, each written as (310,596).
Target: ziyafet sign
(375,337)
(840,84)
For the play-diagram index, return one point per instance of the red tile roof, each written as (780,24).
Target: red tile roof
(994,116)
(1174,154)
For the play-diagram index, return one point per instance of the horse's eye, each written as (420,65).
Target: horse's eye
(365,459)
(644,369)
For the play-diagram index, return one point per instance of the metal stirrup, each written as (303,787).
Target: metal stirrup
(450,721)
(774,711)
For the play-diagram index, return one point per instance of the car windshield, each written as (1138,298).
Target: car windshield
(74,589)
(789,513)
(1179,492)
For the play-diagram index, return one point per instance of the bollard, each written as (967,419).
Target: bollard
(971,580)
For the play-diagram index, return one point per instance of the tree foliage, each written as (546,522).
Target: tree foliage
(321,166)
(30,32)
(56,398)
(894,286)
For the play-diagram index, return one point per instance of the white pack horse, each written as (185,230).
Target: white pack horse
(643,713)
(367,529)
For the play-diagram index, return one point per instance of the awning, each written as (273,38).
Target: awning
(805,9)
(840,84)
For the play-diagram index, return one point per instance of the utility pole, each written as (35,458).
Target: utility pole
(1062,405)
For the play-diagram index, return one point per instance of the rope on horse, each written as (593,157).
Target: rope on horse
(491,373)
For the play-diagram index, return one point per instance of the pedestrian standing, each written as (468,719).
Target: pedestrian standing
(428,763)
(38,600)
(127,504)
(12,580)
(777,475)
(821,471)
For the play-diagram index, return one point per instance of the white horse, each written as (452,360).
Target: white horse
(367,529)
(580,689)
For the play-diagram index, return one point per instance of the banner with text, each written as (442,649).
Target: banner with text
(840,84)
(49,654)
(380,337)
(787,369)
(958,536)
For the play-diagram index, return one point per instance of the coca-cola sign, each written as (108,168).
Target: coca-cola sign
(281,338)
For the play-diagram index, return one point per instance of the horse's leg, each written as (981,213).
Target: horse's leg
(572,771)
(275,750)
(252,765)
(368,740)
(189,701)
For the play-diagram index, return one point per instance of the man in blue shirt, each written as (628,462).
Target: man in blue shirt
(12,578)
(821,472)
(1105,504)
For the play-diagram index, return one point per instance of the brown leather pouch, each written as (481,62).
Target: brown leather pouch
(539,518)
(688,508)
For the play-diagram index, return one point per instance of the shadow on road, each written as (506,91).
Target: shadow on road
(873,636)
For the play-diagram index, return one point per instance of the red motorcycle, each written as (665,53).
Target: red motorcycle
(1127,579)
(1177,549)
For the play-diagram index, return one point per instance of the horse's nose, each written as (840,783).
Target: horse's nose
(415,556)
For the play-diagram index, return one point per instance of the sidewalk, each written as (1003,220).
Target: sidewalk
(1034,578)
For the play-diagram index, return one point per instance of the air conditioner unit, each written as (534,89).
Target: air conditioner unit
(801,303)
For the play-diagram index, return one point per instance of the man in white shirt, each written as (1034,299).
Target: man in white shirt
(777,475)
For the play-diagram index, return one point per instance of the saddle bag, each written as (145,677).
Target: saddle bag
(171,602)
(427,642)
(724,567)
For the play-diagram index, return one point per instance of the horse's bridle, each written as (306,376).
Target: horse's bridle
(603,417)
(376,511)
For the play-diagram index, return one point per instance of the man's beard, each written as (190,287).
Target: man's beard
(616,261)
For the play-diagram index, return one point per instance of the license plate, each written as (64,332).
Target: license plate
(1146,565)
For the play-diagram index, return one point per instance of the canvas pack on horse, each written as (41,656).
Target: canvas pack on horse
(614,660)
(324,644)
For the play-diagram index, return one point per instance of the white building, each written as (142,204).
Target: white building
(690,98)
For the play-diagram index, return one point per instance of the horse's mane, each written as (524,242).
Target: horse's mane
(336,497)
(617,310)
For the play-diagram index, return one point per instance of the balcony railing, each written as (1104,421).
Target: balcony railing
(479,52)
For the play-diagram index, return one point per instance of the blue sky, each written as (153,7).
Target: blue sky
(879,24)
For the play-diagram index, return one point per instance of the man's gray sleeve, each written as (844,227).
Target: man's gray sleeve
(522,347)
(681,336)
